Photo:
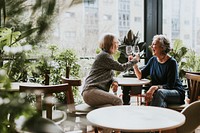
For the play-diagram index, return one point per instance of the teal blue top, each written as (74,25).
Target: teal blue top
(165,74)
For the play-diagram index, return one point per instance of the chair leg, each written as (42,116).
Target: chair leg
(96,129)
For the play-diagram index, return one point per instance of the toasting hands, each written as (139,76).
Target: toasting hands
(136,57)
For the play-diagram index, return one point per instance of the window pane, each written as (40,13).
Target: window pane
(181,20)
(80,26)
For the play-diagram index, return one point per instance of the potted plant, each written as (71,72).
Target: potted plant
(187,59)
(53,67)
(192,62)
(179,52)
(132,40)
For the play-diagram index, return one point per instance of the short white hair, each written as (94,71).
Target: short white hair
(164,41)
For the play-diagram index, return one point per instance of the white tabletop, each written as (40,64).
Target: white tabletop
(136,118)
(125,81)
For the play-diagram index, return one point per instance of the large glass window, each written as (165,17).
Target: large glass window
(181,20)
(80,26)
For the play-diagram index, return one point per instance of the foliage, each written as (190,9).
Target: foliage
(64,60)
(187,59)
(29,22)
(28,17)
(98,50)
(192,62)
(56,64)
(68,58)
(4,80)
(12,106)
(8,37)
(38,69)
(133,40)
(179,52)
(14,51)
(52,48)
(17,67)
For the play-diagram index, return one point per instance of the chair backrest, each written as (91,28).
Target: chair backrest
(193,86)
(69,93)
(80,109)
(41,125)
(71,82)
(47,90)
(191,113)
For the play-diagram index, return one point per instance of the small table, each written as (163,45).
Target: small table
(132,81)
(127,84)
(136,118)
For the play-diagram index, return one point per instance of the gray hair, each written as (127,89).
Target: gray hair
(164,41)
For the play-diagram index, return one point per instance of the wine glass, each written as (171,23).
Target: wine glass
(129,50)
(136,50)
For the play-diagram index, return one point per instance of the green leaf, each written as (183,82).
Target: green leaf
(5,37)
(130,39)
(27,33)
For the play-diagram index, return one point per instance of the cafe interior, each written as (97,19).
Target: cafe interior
(47,48)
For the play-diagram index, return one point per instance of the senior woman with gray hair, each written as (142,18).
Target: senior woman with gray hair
(163,70)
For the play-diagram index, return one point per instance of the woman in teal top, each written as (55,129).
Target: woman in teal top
(163,70)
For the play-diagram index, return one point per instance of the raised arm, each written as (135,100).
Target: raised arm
(137,71)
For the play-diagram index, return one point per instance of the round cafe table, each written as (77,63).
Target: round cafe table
(129,83)
(122,81)
(136,118)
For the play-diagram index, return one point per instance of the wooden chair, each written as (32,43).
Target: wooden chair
(193,81)
(191,113)
(79,110)
(192,120)
(47,91)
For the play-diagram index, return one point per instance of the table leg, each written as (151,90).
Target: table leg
(126,94)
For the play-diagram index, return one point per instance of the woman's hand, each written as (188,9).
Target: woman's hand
(136,57)
(150,92)
(114,86)
(130,57)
